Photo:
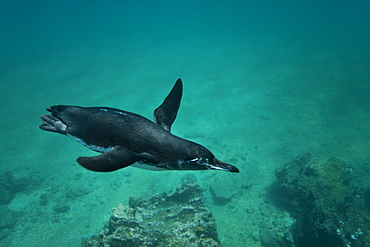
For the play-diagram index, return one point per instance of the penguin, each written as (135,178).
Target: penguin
(124,138)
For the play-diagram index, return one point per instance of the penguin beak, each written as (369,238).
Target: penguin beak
(219,165)
(209,164)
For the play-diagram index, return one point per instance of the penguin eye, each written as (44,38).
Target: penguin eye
(202,161)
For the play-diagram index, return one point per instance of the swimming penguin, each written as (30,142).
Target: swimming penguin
(126,138)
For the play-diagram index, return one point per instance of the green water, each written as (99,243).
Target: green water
(263,82)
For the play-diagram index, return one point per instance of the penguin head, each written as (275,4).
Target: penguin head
(205,160)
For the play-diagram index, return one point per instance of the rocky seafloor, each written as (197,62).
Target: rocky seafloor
(176,219)
(311,203)
(327,200)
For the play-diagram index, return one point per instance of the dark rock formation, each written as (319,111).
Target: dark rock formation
(7,221)
(324,201)
(9,186)
(61,208)
(178,219)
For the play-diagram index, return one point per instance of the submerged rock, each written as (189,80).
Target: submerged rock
(222,194)
(178,219)
(61,208)
(324,200)
(9,186)
(7,221)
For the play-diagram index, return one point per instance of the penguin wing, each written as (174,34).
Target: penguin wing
(115,159)
(166,113)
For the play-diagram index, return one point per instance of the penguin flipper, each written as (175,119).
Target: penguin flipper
(166,113)
(115,159)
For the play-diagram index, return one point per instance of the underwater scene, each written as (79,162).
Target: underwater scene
(251,120)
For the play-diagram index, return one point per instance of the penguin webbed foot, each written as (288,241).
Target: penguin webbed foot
(53,124)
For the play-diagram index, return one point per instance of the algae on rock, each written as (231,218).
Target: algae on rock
(324,200)
(178,219)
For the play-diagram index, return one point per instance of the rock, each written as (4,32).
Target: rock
(3,234)
(322,198)
(268,238)
(75,192)
(78,176)
(44,199)
(222,194)
(7,221)
(61,208)
(10,186)
(256,236)
(177,219)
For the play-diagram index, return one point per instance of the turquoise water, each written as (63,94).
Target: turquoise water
(263,82)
